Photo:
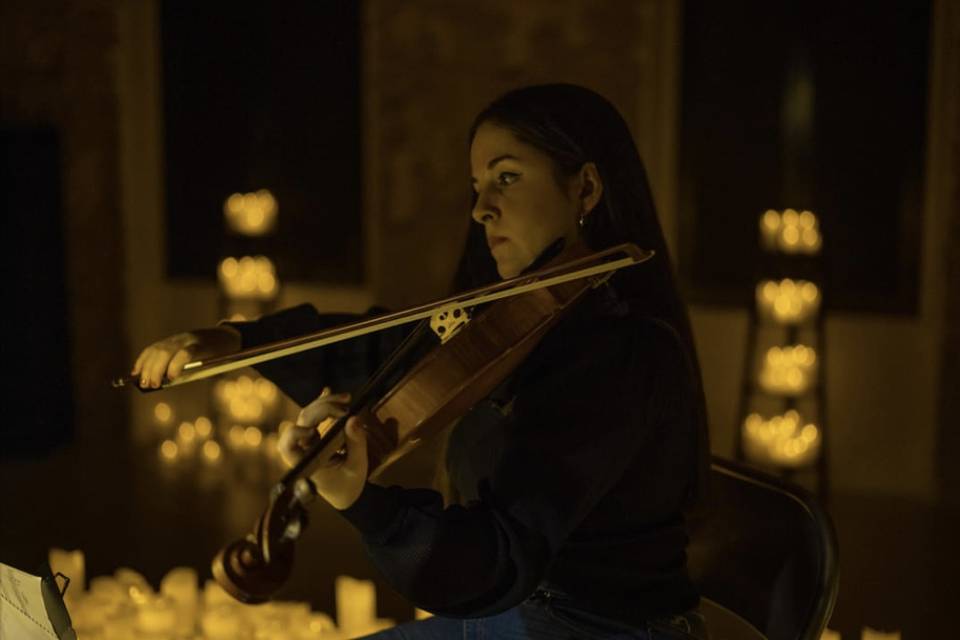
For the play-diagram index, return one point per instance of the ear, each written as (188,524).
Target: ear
(589,187)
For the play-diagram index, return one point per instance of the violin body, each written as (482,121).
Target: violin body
(457,374)
(433,393)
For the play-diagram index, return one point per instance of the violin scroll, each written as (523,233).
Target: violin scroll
(254,568)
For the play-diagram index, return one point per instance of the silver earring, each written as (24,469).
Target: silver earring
(583,217)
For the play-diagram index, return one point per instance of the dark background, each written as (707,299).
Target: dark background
(858,164)
(264,98)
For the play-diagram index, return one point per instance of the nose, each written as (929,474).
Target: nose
(484,209)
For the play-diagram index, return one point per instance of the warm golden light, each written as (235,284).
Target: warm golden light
(251,214)
(781,440)
(790,231)
(186,432)
(125,606)
(787,301)
(236,436)
(270,446)
(245,399)
(163,413)
(249,278)
(169,450)
(788,370)
(203,427)
(137,594)
(252,436)
(211,451)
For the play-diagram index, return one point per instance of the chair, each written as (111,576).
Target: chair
(763,554)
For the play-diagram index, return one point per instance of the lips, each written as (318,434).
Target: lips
(493,241)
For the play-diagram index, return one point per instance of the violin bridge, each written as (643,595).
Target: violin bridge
(447,321)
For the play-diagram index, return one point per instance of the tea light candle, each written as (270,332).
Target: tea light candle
(790,231)
(781,440)
(169,451)
(181,586)
(251,214)
(163,414)
(787,301)
(222,622)
(249,278)
(788,370)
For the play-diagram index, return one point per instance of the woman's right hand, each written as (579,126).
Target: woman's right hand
(165,358)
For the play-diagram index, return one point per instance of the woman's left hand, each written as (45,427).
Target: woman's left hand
(340,479)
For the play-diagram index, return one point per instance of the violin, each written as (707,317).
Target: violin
(474,356)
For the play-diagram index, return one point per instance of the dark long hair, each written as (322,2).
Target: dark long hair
(574,125)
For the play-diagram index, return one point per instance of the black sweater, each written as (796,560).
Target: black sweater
(573,473)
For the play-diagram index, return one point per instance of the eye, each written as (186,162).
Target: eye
(506,178)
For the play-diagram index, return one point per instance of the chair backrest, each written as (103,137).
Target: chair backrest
(766,550)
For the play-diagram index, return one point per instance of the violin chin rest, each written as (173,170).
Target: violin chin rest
(243,573)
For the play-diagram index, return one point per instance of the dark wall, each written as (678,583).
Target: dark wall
(36,326)
(806,105)
(267,96)
(57,76)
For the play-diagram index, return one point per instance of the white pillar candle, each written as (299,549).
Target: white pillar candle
(356,603)
(214,595)
(157,615)
(223,622)
(181,586)
(71,564)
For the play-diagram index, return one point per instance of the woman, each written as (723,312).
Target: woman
(566,486)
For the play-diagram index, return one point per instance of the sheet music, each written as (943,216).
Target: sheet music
(23,615)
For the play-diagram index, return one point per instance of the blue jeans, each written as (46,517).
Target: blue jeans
(546,616)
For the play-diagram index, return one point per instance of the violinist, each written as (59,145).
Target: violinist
(558,510)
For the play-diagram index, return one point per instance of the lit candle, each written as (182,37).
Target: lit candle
(169,451)
(781,440)
(211,452)
(223,622)
(249,278)
(71,564)
(787,301)
(157,615)
(214,595)
(251,214)
(203,427)
(181,586)
(320,624)
(163,413)
(356,604)
(769,229)
(788,370)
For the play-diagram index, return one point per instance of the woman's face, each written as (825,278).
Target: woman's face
(519,202)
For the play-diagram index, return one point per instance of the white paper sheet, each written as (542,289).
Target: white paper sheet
(23,615)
